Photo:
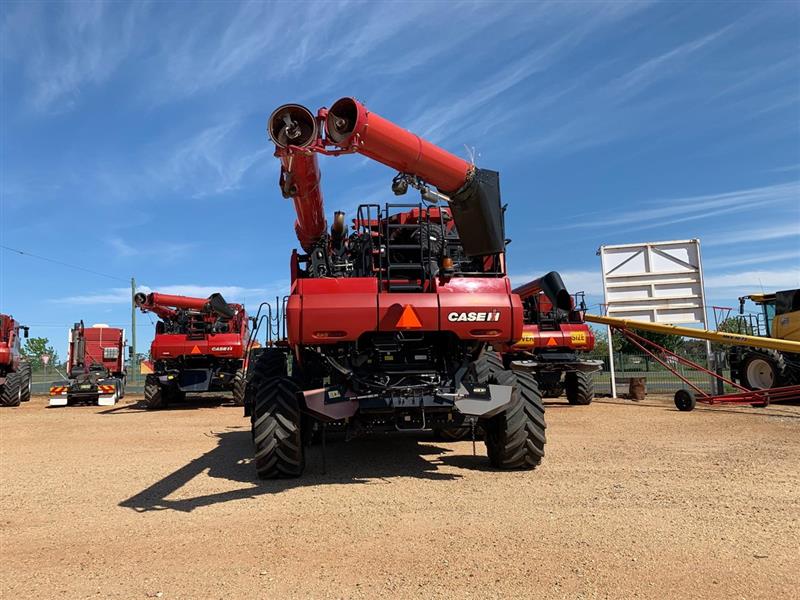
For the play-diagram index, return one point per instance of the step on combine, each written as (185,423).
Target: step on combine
(555,340)
(398,322)
(15,372)
(198,347)
(95,367)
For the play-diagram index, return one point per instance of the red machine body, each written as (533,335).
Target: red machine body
(9,345)
(394,323)
(15,374)
(95,367)
(555,339)
(95,346)
(199,345)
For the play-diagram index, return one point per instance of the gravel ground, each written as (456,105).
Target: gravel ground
(632,500)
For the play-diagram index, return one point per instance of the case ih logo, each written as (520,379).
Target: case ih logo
(221,348)
(456,317)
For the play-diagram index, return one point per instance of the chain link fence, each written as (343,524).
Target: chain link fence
(658,378)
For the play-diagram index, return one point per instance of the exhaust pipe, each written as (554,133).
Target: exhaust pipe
(292,125)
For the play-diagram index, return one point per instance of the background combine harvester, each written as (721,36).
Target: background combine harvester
(15,373)
(555,340)
(397,324)
(761,368)
(198,347)
(95,367)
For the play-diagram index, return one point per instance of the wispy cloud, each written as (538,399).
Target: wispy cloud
(692,208)
(212,162)
(166,252)
(756,280)
(755,259)
(81,45)
(790,229)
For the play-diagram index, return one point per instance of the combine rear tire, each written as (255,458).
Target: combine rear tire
(277,434)
(153,395)
(515,438)
(580,387)
(26,379)
(11,393)
(239,386)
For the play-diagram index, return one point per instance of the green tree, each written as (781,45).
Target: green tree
(670,341)
(600,342)
(35,347)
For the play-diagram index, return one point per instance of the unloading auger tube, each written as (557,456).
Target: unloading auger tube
(721,337)
(472,193)
(166,305)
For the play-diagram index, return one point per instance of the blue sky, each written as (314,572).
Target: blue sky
(134,144)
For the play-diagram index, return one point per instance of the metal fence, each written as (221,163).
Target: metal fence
(659,379)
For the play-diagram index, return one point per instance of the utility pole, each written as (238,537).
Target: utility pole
(133,323)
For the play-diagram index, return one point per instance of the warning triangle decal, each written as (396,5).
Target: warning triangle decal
(552,342)
(196,350)
(409,319)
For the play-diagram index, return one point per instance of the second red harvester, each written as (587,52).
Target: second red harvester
(198,347)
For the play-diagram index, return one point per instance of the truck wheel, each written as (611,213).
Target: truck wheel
(239,385)
(153,395)
(276,428)
(26,379)
(11,392)
(580,387)
(759,372)
(515,438)
(271,363)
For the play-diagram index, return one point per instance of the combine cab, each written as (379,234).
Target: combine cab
(95,367)
(198,347)
(15,373)
(397,323)
(555,340)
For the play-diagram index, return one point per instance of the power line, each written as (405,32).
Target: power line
(64,264)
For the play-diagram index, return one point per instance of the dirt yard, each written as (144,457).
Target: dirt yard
(632,500)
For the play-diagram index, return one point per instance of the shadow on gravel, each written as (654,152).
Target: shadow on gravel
(191,403)
(364,461)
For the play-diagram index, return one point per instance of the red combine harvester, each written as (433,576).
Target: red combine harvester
(554,339)
(397,324)
(15,374)
(199,347)
(95,367)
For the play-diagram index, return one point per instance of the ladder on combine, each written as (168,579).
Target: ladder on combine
(402,265)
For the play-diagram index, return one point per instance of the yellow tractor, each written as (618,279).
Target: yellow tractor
(778,318)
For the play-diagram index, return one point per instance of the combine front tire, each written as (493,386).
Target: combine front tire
(760,371)
(153,395)
(277,433)
(270,363)
(11,394)
(580,387)
(515,438)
